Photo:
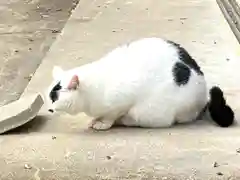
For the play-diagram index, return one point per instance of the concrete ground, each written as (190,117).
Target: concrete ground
(61,147)
(27,30)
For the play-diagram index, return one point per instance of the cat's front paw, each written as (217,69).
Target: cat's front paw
(100,124)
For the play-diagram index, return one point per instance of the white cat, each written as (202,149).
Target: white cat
(150,82)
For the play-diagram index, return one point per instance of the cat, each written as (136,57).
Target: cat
(150,82)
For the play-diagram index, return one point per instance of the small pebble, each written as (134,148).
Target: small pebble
(28,77)
(54,137)
(184,18)
(109,157)
(55,31)
(215,164)
(27,166)
(30,39)
(16,51)
(219,173)
(44,16)
(238,150)
(228,59)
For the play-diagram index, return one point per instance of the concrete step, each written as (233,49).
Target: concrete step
(231,11)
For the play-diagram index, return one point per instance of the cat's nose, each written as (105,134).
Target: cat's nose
(51,110)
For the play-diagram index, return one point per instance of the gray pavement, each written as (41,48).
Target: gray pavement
(60,147)
(27,30)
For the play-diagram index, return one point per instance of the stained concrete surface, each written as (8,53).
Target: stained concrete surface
(27,30)
(60,147)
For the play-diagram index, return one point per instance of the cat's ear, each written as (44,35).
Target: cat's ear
(56,72)
(74,83)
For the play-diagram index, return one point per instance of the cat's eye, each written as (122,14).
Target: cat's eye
(53,94)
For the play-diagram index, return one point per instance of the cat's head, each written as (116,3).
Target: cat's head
(64,93)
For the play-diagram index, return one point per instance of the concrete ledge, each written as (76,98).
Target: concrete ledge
(231,11)
(19,112)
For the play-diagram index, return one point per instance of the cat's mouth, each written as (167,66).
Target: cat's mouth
(51,110)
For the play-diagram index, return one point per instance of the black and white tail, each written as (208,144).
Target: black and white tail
(220,112)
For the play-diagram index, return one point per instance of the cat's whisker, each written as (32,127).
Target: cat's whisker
(61,91)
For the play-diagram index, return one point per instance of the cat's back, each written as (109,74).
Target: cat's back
(146,54)
(151,50)
(141,63)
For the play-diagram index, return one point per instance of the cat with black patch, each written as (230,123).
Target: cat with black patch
(150,82)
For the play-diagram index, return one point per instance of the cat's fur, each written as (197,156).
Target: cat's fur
(150,82)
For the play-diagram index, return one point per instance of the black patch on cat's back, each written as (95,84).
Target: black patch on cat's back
(54,94)
(186,58)
(181,73)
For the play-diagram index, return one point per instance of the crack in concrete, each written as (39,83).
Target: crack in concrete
(29,32)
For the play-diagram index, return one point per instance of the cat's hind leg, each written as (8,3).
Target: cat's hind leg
(151,114)
(126,120)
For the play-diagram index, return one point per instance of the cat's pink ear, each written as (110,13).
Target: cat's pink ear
(74,83)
